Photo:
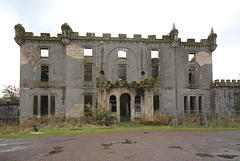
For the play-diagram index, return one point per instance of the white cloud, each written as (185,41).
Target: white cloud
(9,55)
(193,19)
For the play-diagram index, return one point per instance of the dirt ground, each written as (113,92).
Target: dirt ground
(160,145)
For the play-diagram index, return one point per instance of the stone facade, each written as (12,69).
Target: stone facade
(132,77)
(226,96)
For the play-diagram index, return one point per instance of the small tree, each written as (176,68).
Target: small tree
(10,94)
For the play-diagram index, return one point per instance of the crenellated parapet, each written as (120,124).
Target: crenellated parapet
(68,35)
(226,83)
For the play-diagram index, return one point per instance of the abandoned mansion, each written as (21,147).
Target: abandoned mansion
(132,77)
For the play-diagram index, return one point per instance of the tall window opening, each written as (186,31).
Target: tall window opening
(122,54)
(88,72)
(44,73)
(113,104)
(44,105)
(191,77)
(137,104)
(238,104)
(88,52)
(44,53)
(156,103)
(200,103)
(35,105)
(52,108)
(192,104)
(87,102)
(122,73)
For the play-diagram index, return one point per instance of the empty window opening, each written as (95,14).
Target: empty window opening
(237,100)
(88,52)
(87,102)
(192,104)
(44,53)
(155,71)
(52,108)
(154,54)
(191,76)
(88,73)
(44,105)
(200,103)
(122,54)
(191,57)
(137,104)
(113,104)
(122,72)
(185,104)
(44,73)
(156,103)
(35,105)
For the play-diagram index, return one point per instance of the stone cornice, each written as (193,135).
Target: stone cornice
(68,36)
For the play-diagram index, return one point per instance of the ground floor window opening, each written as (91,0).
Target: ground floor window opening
(44,105)
(192,104)
(137,104)
(113,104)
(87,102)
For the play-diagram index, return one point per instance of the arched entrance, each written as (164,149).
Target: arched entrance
(125,107)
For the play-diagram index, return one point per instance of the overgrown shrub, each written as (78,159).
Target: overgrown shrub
(158,119)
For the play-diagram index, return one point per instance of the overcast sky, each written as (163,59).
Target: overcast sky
(193,19)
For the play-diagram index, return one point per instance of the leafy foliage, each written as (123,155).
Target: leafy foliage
(10,95)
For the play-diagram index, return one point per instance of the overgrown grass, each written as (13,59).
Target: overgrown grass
(65,126)
(7,132)
(211,120)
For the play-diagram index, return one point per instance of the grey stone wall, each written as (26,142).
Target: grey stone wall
(226,96)
(66,63)
(9,114)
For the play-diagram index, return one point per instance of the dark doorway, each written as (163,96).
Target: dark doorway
(44,105)
(125,107)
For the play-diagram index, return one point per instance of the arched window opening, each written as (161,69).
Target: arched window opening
(113,104)
(122,73)
(191,77)
(44,73)
(137,104)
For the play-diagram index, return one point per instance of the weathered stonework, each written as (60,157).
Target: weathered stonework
(203,58)
(29,54)
(75,51)
(77,110)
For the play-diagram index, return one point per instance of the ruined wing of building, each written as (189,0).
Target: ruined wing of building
(132,77)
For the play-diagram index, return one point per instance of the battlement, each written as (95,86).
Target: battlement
(69,34)
(226,83)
